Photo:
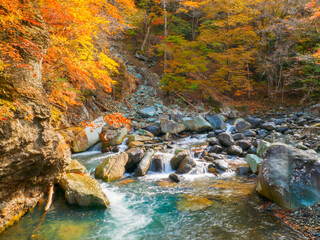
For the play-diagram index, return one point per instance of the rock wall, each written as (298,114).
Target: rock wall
(31,155)
(31,152)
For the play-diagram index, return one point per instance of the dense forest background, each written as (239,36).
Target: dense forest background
(240,52)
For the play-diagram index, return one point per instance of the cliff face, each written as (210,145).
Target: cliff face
(31,152)
(31,155)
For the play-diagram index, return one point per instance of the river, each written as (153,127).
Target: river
(201,206)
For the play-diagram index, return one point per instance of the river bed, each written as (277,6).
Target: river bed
(201,206)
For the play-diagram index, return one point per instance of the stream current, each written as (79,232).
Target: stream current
(201,206)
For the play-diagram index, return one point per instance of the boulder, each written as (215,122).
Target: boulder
(144,164)
(213,141)
(134,157)
(281,129)
(196,124)
(242,126)
(230,113)
(88,137)
(234,150)
(262,132)
(216,149)
(174,177)
(155,130)
(75,167)
(269,126)
(254,162)
(113,167)
(238,136)
(244,144)
(147,112)
(177,159)
(83,190)
(279,121)
(186,165)
(216,121)
(255,122)
(112,137)
(221,165)
(262,147)
(290,177)
(158,163)
(250,133)
(138,138)
(144,132)
(136,144)
(226,139)
(237,121)
(171,127)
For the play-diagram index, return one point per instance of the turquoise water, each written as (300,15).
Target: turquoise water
(202,206)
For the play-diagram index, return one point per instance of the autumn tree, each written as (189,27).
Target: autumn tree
(72,61)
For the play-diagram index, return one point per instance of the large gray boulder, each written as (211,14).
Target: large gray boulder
(83,190)
(113,167)
(290,177)
(244,144)
(170,126)
(226,139)
(242,126)
(234,150)
(144,164)
(196,124)
(216,121)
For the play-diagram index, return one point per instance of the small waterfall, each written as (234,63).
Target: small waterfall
(123,146)
(95,148)
(229,128)
(161,163)
(200,168)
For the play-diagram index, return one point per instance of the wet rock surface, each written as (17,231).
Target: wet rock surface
(83,190)
(289,176)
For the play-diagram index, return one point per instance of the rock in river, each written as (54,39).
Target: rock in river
(196,124)
(178,158)
(186,165)
(226,139)
(112,137)
(112,167)
(170,126)
(234,150)
(243,126)
(88,136)
(134,157)
(290,177)
(254,162)
(83,190)
(144,164)
(216,121)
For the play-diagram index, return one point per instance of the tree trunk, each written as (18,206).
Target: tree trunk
(165,35)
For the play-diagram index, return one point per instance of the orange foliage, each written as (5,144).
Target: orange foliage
(117,120)
(72,62)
